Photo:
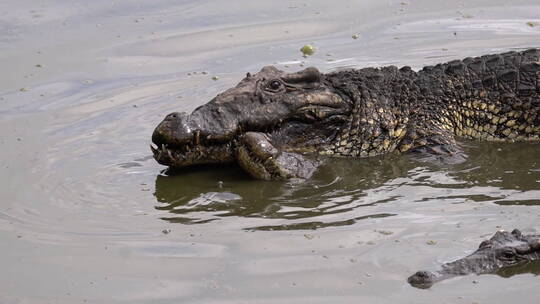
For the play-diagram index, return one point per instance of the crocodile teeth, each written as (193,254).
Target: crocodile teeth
(196,139)
(154,150)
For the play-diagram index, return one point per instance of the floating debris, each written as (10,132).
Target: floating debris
(431,242)
(532,24)
(309,236)
(385,232)
(465,15)
(308,50)
(355,36)
(215,78)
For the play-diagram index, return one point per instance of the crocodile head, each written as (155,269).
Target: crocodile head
(265,124)
(503,250)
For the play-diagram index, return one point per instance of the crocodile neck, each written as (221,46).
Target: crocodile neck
(380,110)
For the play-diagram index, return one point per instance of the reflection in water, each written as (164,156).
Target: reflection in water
(204,194)
(506,166)
(336,194)
(521,268)
(318,224)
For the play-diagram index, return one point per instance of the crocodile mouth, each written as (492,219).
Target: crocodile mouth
(200,147)
(251,150)
(178,156)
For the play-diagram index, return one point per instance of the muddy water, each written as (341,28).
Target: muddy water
(86,215)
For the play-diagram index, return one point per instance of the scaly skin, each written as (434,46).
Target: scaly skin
(272,120)
(503,250)
(494,97)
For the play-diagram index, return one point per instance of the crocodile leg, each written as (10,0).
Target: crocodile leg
(431,141)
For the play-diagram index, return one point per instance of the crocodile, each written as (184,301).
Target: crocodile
(278,125)
(503,250)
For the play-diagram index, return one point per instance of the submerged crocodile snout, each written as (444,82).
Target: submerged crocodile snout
(502,251)
(422,279)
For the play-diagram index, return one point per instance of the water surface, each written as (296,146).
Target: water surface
(86,214)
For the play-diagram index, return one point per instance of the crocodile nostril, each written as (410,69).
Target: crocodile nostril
(535,245)
(172,116)
(176,116)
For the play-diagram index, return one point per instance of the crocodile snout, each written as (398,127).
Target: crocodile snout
(422,279)
(174,130)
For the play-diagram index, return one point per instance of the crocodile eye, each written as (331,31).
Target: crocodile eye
(508,254)
(485,244)
(274,85)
